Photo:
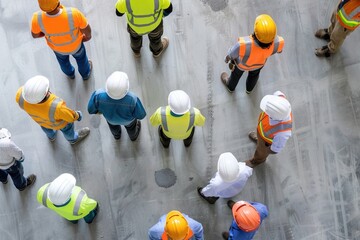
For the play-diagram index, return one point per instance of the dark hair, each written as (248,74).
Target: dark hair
(262,45)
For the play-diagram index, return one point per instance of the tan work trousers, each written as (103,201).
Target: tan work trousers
(261,153)
(337,33)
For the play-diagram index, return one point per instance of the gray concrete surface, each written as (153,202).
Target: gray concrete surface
(311,188)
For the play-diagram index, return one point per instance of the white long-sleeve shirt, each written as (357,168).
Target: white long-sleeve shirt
(9,152)
(218,188)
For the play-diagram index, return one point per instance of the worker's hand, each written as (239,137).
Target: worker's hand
(80,115)
(232,65)
(86,38)
(227,59)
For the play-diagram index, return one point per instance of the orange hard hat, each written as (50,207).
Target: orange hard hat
(48,5)
(246,216)
(176,226)
(265,28)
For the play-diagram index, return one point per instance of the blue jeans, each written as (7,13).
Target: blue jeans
(68,131)
(16,173)
(81,60)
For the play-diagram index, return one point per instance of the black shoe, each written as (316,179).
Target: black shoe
(225,235)
(117,137)
(30,180)
(5,182)
(91,67)
(187,144)
(230,204)
(138,128)
(163,142)
(210,200)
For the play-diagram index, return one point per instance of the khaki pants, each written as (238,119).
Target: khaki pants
(337,33)
(261,153)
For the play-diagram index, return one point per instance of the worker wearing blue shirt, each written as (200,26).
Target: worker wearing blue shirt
(118,106)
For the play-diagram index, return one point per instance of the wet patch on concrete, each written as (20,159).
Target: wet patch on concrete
(216,5)
(165,178)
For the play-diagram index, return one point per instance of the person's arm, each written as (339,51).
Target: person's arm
(168,10)
(279,142)
(196,227)
(92,104)
(37,35)
(64,113)
(35,29)
(233,52)
(120,8)
(15,151)
(199,118)
(139,111)
(157,230)
(86,33)
(155,119)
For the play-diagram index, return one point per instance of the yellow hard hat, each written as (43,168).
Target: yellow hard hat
(176,226)
(265,28)
(48,5)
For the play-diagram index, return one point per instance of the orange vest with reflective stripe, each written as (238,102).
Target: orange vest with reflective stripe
(267,131)
(60,32)
(252,56)
(189,236)
(42,113)
(349,14)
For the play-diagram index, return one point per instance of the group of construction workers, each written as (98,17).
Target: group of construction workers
(66,29)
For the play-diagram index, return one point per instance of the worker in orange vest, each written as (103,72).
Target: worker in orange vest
(273,129)
(251,52)
(65,30)
(344,20)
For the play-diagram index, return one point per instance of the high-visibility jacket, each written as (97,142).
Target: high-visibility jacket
(349,14)
(62,32)
(188,237)
(252,56)
(267,131)
(143,16)
(78,207)
(177,127)
(52,114)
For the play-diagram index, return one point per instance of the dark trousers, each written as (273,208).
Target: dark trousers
(166,140)
(16,173)
(131,129)
(154,38)
(251,79)
(262,151)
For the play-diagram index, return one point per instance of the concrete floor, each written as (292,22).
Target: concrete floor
(311,188)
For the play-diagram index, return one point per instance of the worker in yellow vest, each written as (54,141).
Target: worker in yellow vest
(176,226)
(177,120)
(68,200)
(145,17)
(344,20)
(49,111)
(65,29)
(273,129)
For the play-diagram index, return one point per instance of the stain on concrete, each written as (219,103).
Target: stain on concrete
(165,178)
(216,5)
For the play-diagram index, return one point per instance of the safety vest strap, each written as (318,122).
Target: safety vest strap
(156,14)
(278,128)
(53,109)
(70,32)
(276,45)
(21,100)
(164,121)
(78,201)
(246,42)
(347,18)
(45,195)
(192,119)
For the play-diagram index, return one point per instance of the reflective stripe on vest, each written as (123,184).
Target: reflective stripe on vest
(70,32)
(188,236)
(347,18)
(45,194)
(51,115)
(276,45)
(268,134)
(164,121)
(156,14)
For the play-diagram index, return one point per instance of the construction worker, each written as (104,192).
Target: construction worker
(145,17)
(248,217)
(344,20)
(65,29)
(251,52)
(11,158)
(228,181)
(49,111)
(273,129)
(68,200)
(118,106)
(177,120)
(176,226)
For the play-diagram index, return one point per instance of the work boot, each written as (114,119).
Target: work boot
(163,142)
(138,127)
(91,67)
(323,34)
(322,52)
(253,136)
(82,133)
(225,235)
(5,182)
(165,44)
(30,180)
(210,200)
(225,79)
(230,204)
(137,54)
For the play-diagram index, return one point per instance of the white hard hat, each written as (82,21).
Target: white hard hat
(61,188)
(277,107)
(117,85)
(35,89)
(179,102)
(228,167)
(4,133)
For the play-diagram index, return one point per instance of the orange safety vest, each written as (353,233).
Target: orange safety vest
(61,34)
(189,236)
(43,113)
(252,56)
(349,14)
(267,131)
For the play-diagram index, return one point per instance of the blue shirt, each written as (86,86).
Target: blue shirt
(235,233)
(116,112)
